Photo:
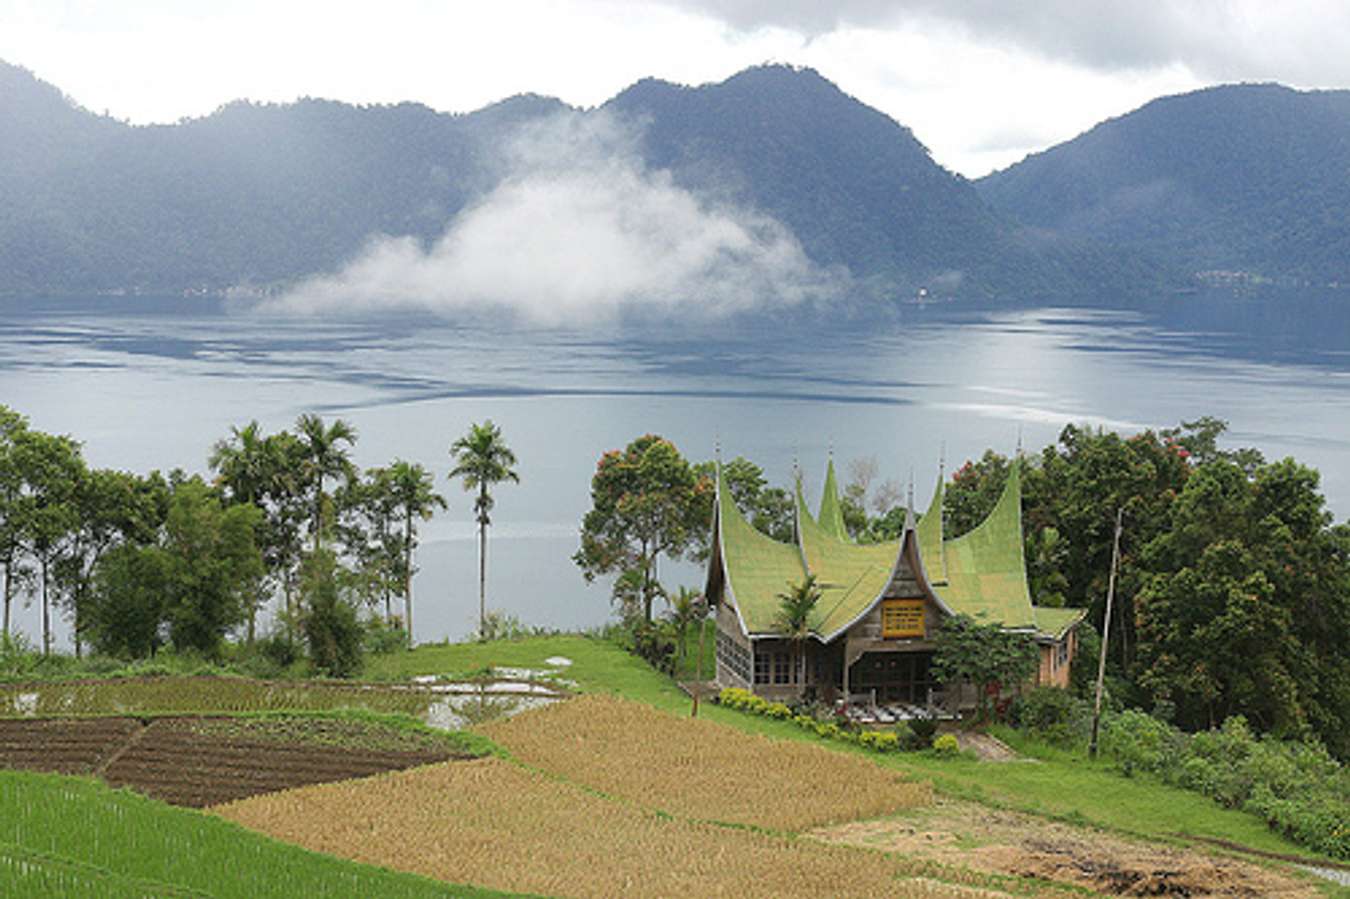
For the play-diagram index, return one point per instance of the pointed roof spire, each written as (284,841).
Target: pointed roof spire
(831,516)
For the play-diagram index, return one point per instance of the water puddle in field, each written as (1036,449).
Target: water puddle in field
(509,691)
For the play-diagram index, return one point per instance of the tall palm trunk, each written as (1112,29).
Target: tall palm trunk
(407,574)
(482,567)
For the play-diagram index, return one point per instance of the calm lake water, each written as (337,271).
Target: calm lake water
(151,384)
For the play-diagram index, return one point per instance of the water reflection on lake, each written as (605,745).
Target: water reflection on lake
(149,384)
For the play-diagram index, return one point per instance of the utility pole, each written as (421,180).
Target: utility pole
(1106,633)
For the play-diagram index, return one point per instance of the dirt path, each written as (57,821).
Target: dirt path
(1026,846)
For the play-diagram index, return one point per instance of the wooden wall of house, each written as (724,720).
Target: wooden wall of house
(729,635)
(1057,661)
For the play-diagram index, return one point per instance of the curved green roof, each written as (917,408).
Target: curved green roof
(851,577)
(986,573)
(831,517)
(981,573)
(1055,623)
(758,568)
(929,532)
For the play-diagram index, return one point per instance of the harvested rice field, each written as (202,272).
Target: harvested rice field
(496,824)
(204,761)
(1006,842)
(701,770)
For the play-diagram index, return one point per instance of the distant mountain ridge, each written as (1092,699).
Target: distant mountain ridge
(1237,182)
(266,194)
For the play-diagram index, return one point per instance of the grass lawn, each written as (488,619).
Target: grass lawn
(1056,784)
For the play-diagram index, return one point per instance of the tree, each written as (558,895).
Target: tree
(191,583)
(324,457)
(11,510)
(50,468)
(110,507)
(392,500)
(645,501)
(793,619)
(127,610)
(686,607)
(269,472)
(331,628)
(984,655)
(215,561)
(366,527)
(482,459)
(1246,604)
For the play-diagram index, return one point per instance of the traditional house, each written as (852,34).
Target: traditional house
(871,632)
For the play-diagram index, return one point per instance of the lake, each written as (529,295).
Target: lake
(151,384)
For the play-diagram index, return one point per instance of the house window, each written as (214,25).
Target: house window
(733,656)
(901,618)
(782,668)
(1062,653)
(763,667)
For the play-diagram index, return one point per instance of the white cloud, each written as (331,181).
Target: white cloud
(580,230)
(1300,40)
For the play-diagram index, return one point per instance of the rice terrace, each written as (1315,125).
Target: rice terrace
(607,788)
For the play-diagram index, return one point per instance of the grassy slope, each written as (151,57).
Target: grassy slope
(1058,785)
(75,837)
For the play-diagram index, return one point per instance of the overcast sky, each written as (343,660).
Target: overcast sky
(981,82)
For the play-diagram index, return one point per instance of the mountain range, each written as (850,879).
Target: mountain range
(1239,182)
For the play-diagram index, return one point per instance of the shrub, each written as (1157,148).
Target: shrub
(923,730)
(946,746)
(655,642)
(330,625)
(1054,714)
(1139,742)
(881,741)
(382,638)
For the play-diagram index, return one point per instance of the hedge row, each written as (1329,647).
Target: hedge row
(875,740)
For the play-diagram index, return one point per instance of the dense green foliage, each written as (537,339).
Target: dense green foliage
(1244,182)
(968,651)
(1234,588)
(62,836)
(137,562)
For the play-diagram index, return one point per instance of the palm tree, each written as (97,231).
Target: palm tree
(411,494)
(795,608)
(482,459)
(324,458)
(685,609)
(241,463)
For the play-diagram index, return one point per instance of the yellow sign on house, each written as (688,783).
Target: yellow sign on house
(902,618)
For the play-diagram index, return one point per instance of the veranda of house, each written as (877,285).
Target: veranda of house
(871,641)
